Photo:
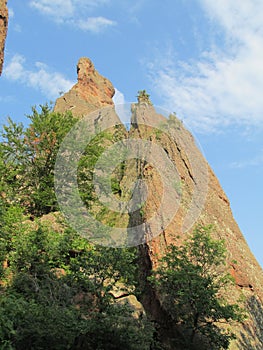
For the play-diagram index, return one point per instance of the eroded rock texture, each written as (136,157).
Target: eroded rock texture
(212,208)
(3,30)
(91,92)
(202,201)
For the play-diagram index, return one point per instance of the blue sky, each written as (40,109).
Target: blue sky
(199,58)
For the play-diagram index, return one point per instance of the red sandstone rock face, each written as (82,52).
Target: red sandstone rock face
(91,92)
(215,209)
(3,30)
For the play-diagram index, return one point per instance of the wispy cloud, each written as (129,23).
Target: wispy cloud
(13,24)
(256,161)
(74,12)
(11,13)
(41,78)
(95,24)
(224,85)
(57,9)
(60,9)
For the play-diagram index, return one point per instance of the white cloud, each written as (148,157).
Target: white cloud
(41,78)
(7,99)
(239,18)
(15,70)
(254,161)
(11,13)
(223,86)
(95,24)
(58,9)
(15,26)
(74,13)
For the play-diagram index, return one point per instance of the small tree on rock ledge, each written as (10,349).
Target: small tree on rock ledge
(190,281)
(143,97)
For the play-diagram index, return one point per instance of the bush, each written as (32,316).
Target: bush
(190,280)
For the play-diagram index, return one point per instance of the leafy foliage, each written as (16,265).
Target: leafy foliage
(191,279)
(143,97)
(56,288)
(101,142)
(27,158)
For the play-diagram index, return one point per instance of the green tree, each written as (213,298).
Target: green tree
(86,189)
(27,159)
(143,97)
(190,279)
(56,290)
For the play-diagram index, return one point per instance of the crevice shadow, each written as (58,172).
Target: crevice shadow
(252,332)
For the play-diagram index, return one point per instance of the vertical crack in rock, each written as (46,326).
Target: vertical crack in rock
(94,91)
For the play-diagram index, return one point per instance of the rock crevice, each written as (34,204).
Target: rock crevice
(94,91)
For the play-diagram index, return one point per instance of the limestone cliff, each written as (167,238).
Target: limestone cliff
(3,30)
(202,201)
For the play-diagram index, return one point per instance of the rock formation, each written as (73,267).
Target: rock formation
(91,92)
(3,30)
(202,201)
(215,209)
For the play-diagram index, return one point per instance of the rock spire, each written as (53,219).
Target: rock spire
(91,92)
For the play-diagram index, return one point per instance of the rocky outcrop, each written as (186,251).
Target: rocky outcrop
(91,92)
(3,30)
(210,206)
(91,101)
(197,197)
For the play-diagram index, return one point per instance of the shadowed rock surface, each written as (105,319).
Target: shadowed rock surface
(202,201)
(212,207)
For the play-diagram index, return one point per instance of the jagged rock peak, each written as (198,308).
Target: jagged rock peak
(90,82)
(3,30)
(91,92)
(203,200)
(85,68)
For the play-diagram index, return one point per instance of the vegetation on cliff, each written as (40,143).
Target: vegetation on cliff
(57,289)
(191,281)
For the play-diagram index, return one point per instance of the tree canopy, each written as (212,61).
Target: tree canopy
(56,287)
(27,159)
(191,281)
